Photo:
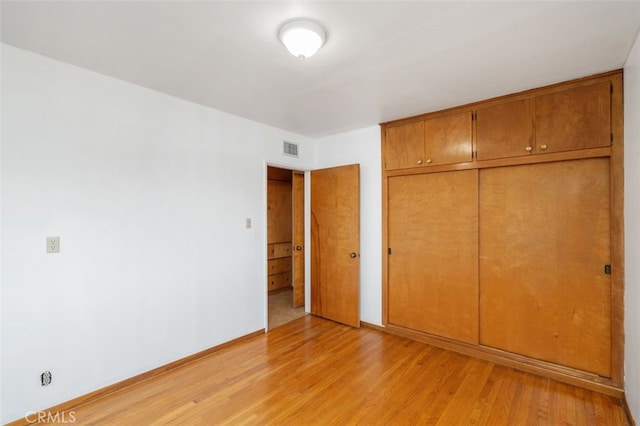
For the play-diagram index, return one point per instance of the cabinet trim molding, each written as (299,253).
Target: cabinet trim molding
(541,368)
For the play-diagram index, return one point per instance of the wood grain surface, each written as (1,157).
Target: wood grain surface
(335,244)
(544,243)
(433,265)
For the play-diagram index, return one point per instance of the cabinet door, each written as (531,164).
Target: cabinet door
(433,265)
(404,146)
(577,118)
(544,241)
(448,139)
(505,130)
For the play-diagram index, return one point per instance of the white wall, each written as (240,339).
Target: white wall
(1,127)
(149,195)
(632,227)
(363,147)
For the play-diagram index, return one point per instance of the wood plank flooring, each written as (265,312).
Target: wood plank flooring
(317,372)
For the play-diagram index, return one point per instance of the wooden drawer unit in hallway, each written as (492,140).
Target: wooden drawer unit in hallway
(279,266)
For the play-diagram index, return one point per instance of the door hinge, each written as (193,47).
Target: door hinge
(389,250)
(611,137)
(607,269)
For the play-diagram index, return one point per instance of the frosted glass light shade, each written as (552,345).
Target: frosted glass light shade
(302,38)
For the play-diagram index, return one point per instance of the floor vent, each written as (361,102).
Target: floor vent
(290,149)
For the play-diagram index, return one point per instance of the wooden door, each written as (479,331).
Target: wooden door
(404,146)
(447,139)
(298,239)
(335,244)
(577,118)
(505,130)
(433,264)
(544,243)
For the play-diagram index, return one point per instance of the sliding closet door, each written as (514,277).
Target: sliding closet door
(433,263)
(544,244)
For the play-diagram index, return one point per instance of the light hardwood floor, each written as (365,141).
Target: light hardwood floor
(314,371)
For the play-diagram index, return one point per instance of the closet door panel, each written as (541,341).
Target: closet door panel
(544,242)
(433,231)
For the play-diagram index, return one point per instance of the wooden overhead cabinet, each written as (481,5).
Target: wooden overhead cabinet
(404,146)
(564,120)
(576,118)
(505,130)
(445,139)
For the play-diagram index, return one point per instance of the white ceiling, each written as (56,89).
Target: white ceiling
(383,60)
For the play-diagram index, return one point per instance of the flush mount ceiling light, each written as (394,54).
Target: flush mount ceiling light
(302,37)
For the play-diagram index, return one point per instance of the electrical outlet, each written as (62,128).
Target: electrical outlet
(46,378)
(247,223)
(53,244)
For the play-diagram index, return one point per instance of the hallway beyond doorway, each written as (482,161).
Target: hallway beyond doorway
(281,310)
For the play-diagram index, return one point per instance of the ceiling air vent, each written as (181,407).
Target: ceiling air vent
(290,149)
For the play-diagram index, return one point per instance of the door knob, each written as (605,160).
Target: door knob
(543,147)
(528,149)
(353,255)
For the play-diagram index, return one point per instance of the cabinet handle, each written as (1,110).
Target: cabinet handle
(543,147)
(352,255)
(429,160)
(528,149)
(419,161)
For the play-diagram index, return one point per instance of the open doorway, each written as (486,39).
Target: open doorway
(285,246)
